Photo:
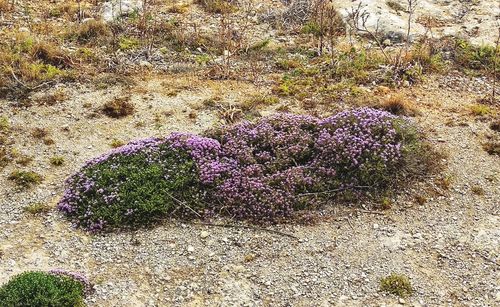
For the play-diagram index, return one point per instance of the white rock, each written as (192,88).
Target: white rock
(114,9)
(190,249)
(204,234)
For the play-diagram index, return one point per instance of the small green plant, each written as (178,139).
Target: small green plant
(25,178)
(313,28)
(4,124)
(42,289)
(37,208)
(57,160)
(396,284)
(115,143)
(480,109)
(128,43)
(386,203)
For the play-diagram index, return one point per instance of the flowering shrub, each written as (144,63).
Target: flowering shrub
(358,148)
(43,289)
(267,166)
(141,182)
(261,171)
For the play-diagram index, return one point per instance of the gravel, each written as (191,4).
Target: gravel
(448,247)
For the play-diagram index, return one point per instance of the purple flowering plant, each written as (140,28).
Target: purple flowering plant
(140,183)
(260,171)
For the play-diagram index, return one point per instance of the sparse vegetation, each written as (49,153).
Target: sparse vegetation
(118,107)
(396,284)
(115,143)
(37,208)
(480,110)
(39,133)
(399,105)
(57,160)
(478,190)
(25,178)
(492,147)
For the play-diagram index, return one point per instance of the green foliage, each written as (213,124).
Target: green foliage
(115,143)
(42,289)
(483,57)
(396,284)
(480,110)
(57,160)
(37,208)
(25,178)
(313,28)
(4,124)
(143,194)
(128,43)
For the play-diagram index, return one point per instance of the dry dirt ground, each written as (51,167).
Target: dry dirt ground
(448,244)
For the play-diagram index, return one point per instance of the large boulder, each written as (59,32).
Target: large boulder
(115,9)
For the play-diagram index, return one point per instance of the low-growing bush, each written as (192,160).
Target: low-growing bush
(56,288)
(261,171)
(139,183)
(396,284)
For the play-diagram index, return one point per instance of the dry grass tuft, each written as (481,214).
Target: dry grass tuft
(90,31)
(398,104)
(39,133)
(118,107)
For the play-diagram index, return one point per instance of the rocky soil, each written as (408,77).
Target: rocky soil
(448,245)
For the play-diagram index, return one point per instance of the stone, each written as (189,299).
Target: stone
(115,9)
(204,234)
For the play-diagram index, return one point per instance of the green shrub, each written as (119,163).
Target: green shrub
(134,185)
(476,57)
(42,289)
(396,284)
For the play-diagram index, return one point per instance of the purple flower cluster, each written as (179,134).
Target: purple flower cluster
(75,276)
(259,171)
(204,151)
(354,143)
(269,166)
